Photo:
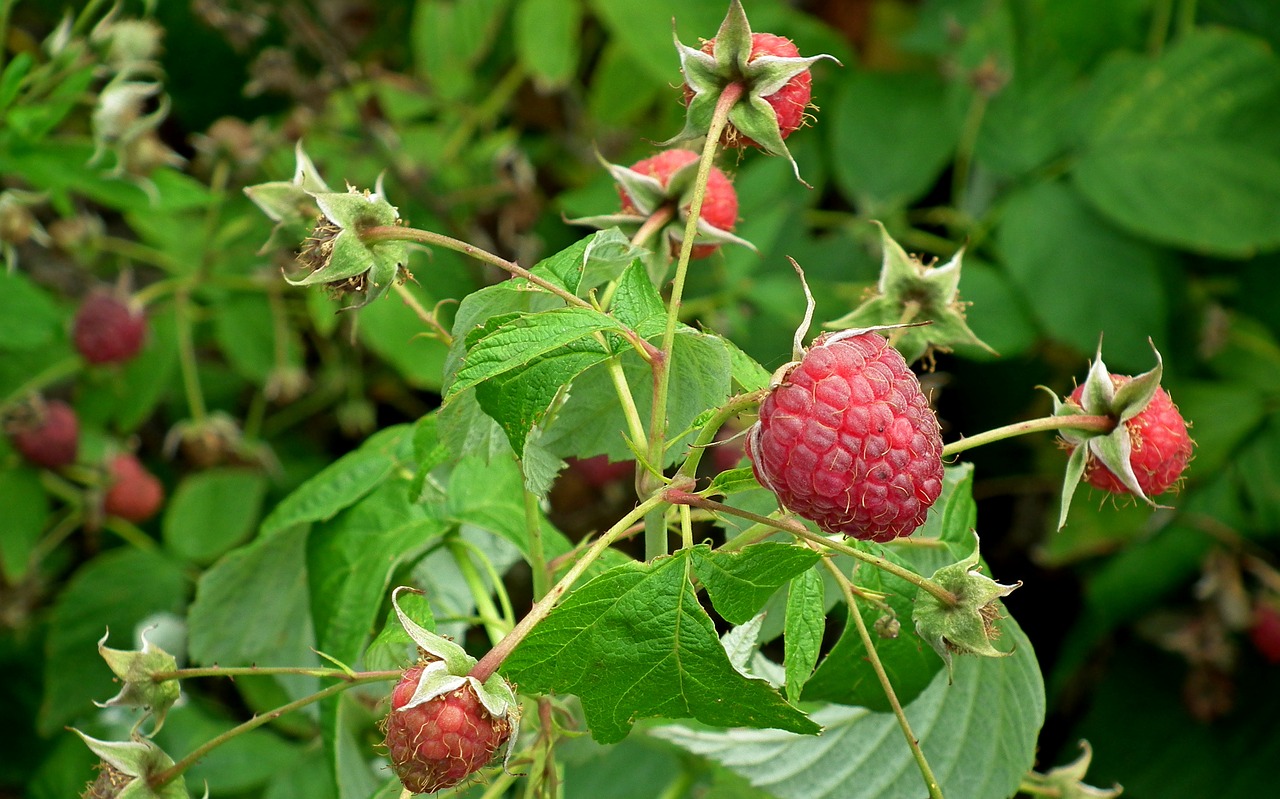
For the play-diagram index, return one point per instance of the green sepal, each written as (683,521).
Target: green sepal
(453,656)
(708,75)
(1068,782)
(967,627)
(1101,398)
(909,289)
(135,668)
(289,203)
(140,759)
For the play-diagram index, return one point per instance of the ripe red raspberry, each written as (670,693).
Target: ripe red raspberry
(848,440)
(788,102)
(108,329)
(48,436)
(1265,632)
(438,743)
(135,494)
(719,204)
(1159,446)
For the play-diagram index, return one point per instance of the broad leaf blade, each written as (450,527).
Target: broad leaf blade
(739,583)
(634,643)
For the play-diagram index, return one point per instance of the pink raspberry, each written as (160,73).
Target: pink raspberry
(108,329)
(848,440)
(1265,631)
(439,743)
(135,494)
(719,204)
(1159,446)
(48,436)
(788,102)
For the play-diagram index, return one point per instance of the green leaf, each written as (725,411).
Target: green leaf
(341,484)
(490,496)
(634,643)
(636,301)
(739,583)
(644,30)
(28,316)
(350,560)
(213,511)
(227,623)
(245,329)
(748,374)
(891,134)
(805,624)
(517,342)
(519,399)
(979,735)
(26,508)
(1181,148)
(732,482)
(116,590)
(1054,246)
(591,422)
(450,38)
(547,33)
(845,675)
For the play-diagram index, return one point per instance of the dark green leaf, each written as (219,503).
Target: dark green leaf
(546,38)
(1082,278)
(350,560)
(26,507)
(1176,148)
(634,643)
(805,625)
(340,485)
(739,583)
(636,301)
(891,135)
(212,511)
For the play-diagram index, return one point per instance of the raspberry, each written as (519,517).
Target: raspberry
(1265,632)
(1159,446)
(48,436)
(135,494)
(438,743)
(108,329)
(848,440)
(788,102)
(719,204)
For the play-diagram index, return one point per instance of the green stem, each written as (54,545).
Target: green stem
(1186,20)
(162,778)
(265,671)
(375,235)
(129,533)
(678,497)
(187,357)
(1098,424)
(6,7)
(662,366)
(537,554)
(493,624)
(622,388)
(494,657)
(846,587)
(656,221)
(707,435)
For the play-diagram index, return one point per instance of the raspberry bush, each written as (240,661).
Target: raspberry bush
(367,470)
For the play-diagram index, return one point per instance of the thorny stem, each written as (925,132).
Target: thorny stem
(494,657)
(846,587)
(426,317)
(162,778)
(383,233)
(678,497)
(656,545)
(1100,424)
